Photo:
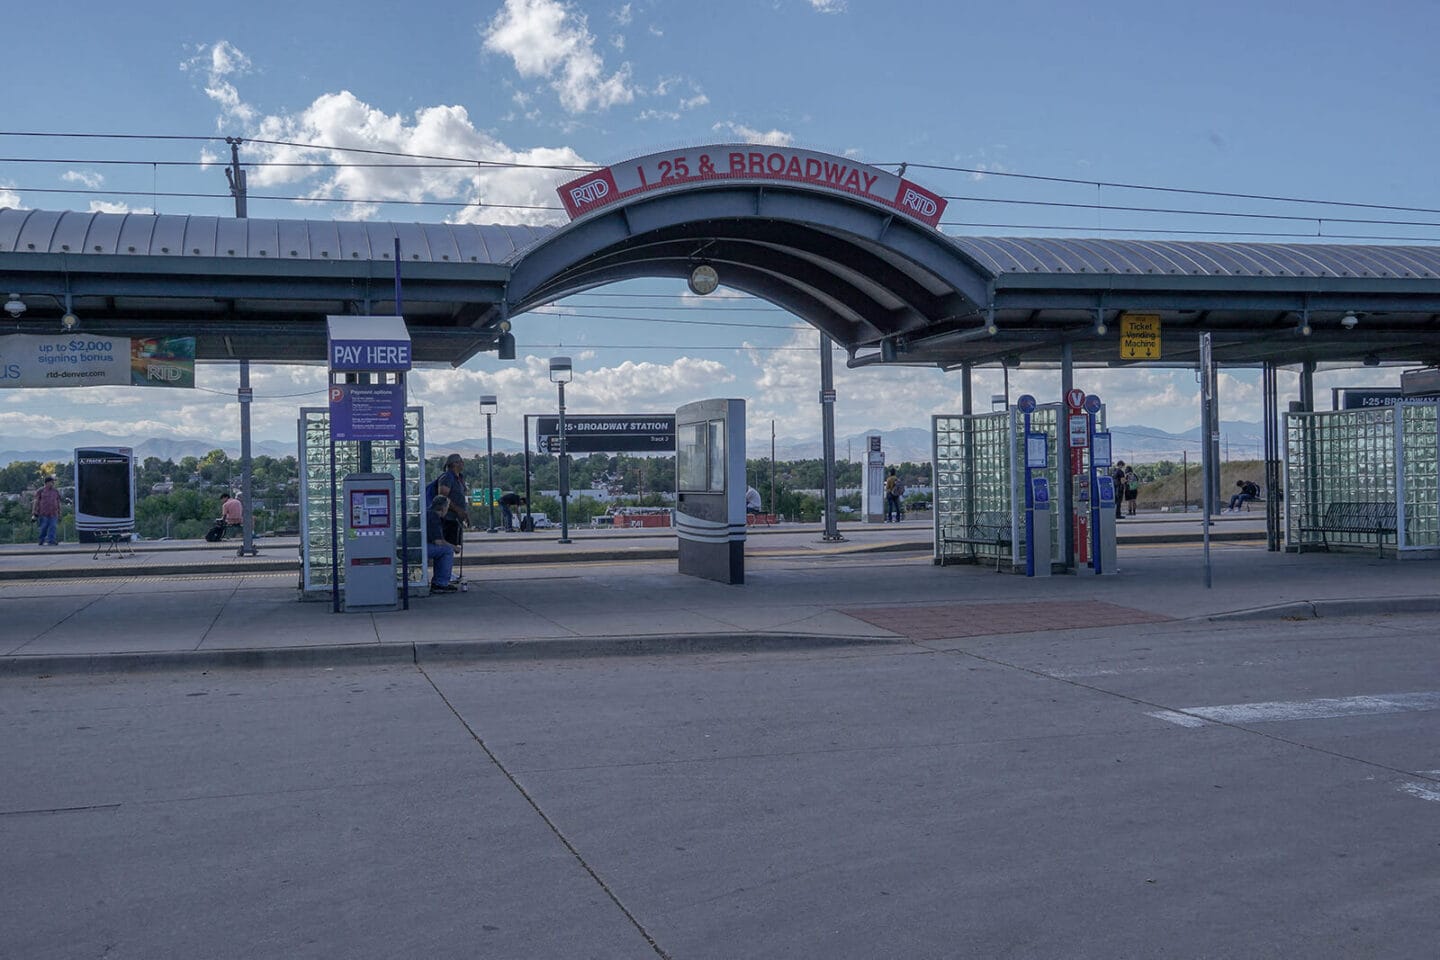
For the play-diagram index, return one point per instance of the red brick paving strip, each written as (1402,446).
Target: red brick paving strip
(946,621)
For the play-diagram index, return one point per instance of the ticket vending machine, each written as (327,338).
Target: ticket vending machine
(710,489)
(368,514)
(1103,523)
(872,482)
(1037,560)
(1102,517)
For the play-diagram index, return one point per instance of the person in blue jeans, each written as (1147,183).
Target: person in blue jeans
(1248,490)
(440,551)
(46,511)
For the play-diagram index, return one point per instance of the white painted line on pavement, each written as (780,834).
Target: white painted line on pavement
(1425,791)
(1320,709)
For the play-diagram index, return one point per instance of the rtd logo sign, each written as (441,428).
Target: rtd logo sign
(921,204)
(588,192)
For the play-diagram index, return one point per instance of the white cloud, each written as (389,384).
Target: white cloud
(89,178)
(9,198)
(219,62)
(344,120)
(828,6)
(550,40)
(107,206)
(774,138)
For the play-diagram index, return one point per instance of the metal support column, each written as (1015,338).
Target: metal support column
(1271,407)
(1065,497)
(827,432)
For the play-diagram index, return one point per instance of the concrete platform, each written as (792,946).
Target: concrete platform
(609,594)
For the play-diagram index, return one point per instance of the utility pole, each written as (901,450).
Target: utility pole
(245,395)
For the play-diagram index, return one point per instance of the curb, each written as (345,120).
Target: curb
(428,653)
(292,565)
(1316,609)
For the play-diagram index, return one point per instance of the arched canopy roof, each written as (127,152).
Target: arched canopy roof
(885,285)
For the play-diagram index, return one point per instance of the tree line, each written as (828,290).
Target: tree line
(180,499)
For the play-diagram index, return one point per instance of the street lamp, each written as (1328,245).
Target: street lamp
(489,407)
(560,374)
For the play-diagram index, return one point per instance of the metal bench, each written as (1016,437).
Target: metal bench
(114,542)
(989,528)
(1370,518)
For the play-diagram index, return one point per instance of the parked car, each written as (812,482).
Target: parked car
(543,522)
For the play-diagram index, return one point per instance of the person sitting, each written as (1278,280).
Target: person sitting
(1246,491)
(440,551)
(752,501)
(232,514)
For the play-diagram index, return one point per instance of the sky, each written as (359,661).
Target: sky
(1330,101)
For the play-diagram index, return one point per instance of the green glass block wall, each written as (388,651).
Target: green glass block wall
(315,500)
(1420,473)
(1342,456)
(972,478)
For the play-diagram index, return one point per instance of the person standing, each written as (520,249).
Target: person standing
(1132,490)
(46,511)
(451,486)
(892,497)
(1117,477)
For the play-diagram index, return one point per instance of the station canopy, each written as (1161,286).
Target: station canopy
(852,257)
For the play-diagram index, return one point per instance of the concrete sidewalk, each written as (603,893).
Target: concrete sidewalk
(184,557)
(877,587)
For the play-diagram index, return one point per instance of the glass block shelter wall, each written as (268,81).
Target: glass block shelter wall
(315,544)
(1368,463)
(978,465)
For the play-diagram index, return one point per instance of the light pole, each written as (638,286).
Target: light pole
(489,407)
(560,374)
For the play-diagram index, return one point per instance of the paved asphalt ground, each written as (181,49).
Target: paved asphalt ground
(856,754)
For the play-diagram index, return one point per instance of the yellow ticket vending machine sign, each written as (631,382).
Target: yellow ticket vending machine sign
(1140,336)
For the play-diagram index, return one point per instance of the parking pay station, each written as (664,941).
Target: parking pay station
(369,357)
(710,489)
(1037,495)
(369,507)
(872,482)
(1099,493)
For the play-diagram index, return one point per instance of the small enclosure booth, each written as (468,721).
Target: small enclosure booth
(710,489)
(322,506)
(1364,479)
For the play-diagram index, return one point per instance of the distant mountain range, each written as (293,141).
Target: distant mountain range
(1240,440)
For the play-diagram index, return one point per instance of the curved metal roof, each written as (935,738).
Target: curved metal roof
(884,289)
(999,256)
(162,235)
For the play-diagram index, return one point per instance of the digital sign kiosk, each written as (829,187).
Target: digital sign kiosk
(710,489)
(104,491)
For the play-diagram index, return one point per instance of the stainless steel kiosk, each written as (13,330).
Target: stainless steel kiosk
(369,510)
(710,489)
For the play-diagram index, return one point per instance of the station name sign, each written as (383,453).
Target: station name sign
(608,433)
(749,162)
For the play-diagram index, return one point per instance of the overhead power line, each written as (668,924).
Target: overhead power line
(474,161)
(1184,190)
